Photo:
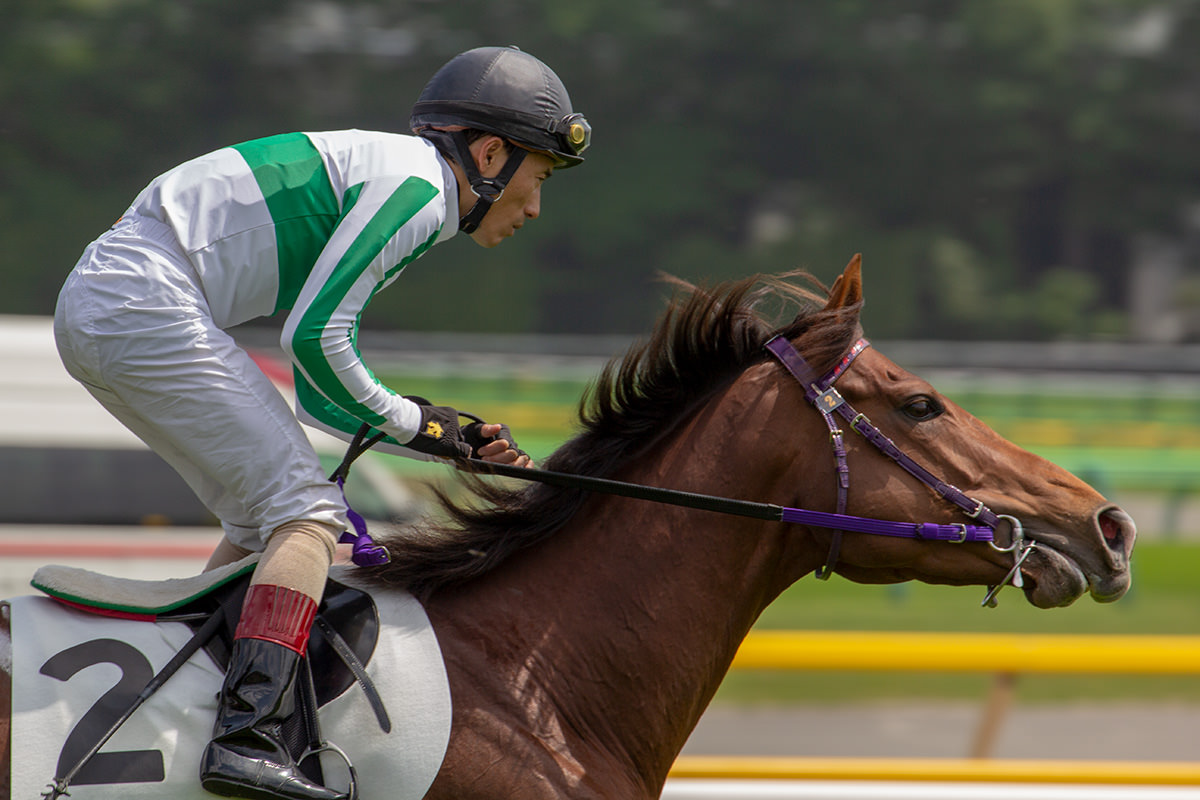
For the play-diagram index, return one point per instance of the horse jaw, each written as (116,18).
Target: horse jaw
(1091,557)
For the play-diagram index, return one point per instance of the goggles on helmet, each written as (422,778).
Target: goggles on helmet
(575,133)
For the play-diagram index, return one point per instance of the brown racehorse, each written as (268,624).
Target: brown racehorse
(584,634)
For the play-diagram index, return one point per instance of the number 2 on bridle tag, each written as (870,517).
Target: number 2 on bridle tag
(829,400)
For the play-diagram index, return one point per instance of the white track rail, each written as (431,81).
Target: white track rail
(702,789)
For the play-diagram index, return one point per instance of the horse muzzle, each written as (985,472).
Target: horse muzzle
(1062,568)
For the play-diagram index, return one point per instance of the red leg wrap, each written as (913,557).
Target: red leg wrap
(277,614)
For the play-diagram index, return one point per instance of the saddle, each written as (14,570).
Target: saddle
(346,615)
(344,635)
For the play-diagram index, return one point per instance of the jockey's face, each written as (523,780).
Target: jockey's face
(522,198)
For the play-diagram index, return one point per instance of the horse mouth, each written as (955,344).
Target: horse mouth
(1061,569)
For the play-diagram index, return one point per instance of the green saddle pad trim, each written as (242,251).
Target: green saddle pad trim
(182,590)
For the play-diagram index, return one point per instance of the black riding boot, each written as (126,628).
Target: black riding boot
(248,757)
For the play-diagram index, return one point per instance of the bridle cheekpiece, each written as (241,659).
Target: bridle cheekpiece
(821,394)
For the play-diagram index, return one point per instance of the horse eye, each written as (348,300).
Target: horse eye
(922,407)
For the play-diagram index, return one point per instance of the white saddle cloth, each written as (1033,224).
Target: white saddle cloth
(66,662)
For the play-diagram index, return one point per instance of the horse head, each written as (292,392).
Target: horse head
(1080,541)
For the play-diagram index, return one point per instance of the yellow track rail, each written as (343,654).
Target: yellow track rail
(939,769)
(969,652)
(1000,654)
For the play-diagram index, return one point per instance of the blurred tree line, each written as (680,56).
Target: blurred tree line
(996,161)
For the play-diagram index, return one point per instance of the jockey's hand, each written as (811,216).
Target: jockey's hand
(439,433)
(493,442)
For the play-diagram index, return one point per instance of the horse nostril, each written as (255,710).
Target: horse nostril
(1118,530)
(1111,529)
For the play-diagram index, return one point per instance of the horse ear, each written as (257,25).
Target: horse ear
(847,289)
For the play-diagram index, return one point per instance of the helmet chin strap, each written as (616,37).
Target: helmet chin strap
(487,190)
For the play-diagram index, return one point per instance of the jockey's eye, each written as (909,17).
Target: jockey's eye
(922,407)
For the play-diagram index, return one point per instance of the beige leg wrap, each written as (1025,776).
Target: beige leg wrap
(226,553)
(297,557)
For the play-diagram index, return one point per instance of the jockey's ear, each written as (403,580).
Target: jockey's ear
(847,289)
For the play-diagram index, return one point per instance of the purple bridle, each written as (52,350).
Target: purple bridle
(820,392)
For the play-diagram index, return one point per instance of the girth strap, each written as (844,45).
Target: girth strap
(358,670)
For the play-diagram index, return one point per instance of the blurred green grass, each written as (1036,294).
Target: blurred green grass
(1165,599)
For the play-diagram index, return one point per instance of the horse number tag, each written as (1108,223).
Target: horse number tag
(829,400)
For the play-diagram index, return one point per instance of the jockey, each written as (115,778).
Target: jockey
(313,224)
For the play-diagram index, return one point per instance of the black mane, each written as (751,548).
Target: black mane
(702,342)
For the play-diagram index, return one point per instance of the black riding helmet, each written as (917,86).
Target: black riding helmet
(504,91)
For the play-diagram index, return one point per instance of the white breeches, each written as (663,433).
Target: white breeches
(133,326)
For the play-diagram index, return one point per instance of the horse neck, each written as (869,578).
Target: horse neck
(629,618)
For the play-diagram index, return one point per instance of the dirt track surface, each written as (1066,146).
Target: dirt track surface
(1110,731)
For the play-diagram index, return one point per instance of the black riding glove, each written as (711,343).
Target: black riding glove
(439,434)
(473,436)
